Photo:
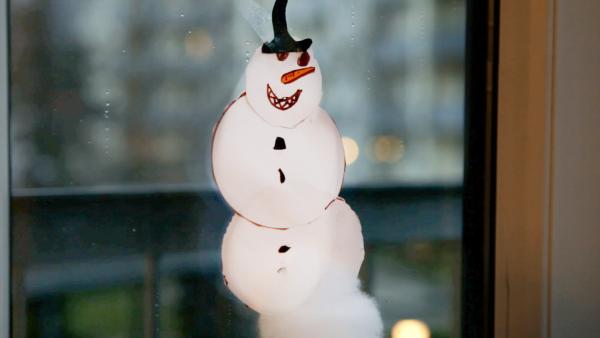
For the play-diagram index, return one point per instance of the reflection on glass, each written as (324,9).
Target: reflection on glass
(117,225)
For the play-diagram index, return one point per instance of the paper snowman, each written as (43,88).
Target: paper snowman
(278,161)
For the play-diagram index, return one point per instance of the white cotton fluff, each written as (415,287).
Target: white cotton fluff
(337,309)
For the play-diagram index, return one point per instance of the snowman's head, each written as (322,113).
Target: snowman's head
(283,79)
(284,88)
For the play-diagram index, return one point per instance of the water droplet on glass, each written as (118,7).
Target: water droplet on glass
(123,51)
(107,104)
(106,129)
(181,15)
(133,230)
(107,92)
(353,25)
(247,53)
(189,32)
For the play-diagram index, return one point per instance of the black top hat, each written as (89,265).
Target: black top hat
(283,42)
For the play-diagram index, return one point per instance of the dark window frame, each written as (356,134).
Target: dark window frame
(480,169)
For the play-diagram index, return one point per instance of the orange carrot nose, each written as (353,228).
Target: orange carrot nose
(294,75)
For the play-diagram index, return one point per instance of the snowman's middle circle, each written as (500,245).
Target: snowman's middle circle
(275,176)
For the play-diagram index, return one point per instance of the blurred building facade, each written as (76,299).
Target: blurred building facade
(135,86)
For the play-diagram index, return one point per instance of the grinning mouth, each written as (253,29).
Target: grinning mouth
(282,103)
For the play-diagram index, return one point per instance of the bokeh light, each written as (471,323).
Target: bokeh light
(410,328)
(351,150)
(198,44)
(388,148)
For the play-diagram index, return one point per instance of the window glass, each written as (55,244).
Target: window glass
(117,223)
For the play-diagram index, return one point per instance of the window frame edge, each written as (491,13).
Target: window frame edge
(4,174)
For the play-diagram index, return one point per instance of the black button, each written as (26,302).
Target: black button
(281,176)
(279,144)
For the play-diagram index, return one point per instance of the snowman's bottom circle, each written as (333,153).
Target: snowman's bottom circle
(275,271)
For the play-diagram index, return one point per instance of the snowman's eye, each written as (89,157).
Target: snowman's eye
(304,59)
(282,56)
